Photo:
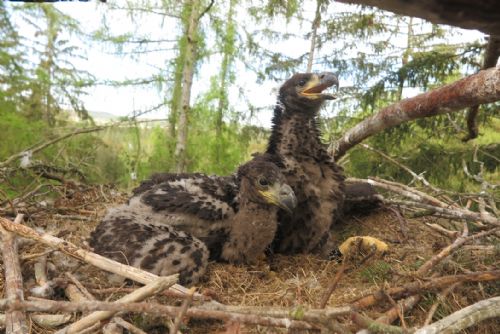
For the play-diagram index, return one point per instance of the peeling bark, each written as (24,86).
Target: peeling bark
(479,88)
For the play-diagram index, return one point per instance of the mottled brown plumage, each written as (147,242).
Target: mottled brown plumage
(317,181)
(177,221)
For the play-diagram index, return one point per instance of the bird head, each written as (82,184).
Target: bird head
(262,182)
(306,91)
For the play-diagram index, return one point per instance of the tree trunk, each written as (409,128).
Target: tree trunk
(314,33)
(187,80)
(406,57)
(228,51)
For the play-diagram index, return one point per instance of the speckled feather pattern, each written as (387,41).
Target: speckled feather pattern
(318,182)
(177,222)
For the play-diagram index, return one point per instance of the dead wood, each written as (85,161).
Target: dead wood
(128,326)
(422,286)
(76,292)
(442,230)
(138,295)
(299,313)
(405,305)
(15,320)
(44,320)
(416,176)
(97,260)
(373,326)
(425,201)
(482,87)
(333,284)
(440,299)
(464,318)
(182,312)
(168,293)
(281,318)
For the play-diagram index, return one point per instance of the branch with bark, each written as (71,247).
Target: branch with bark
(482,87)
(15,320)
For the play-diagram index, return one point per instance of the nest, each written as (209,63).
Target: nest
(293,284)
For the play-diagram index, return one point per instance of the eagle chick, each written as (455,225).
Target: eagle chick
(177,224)
(318,182)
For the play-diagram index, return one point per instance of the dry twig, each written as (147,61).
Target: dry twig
(140,294)
(182,312)
(440,298)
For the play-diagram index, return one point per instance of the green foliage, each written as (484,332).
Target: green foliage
(376,272)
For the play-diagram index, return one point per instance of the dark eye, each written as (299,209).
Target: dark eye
(263,181)
(302,82)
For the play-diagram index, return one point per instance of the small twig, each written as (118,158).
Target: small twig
(402,166)
(168,293)
(397,308)
(44,288)
(456,213)
(333,285)
(403,223)
(440,298)
(138,295)
(442,230)
(80,286)
(128,326)
(373,326)
(447,251)
(182,312)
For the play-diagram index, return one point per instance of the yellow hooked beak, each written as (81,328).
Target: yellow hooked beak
(280,195)
(314,88)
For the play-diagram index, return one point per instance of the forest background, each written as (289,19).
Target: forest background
(209,70)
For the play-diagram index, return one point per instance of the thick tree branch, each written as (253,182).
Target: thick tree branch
(15,320)
(479,88)
(464,318)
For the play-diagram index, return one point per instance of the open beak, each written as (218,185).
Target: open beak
(318,83)
(282,196)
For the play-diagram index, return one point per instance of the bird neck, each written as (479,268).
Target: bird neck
(292,129)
